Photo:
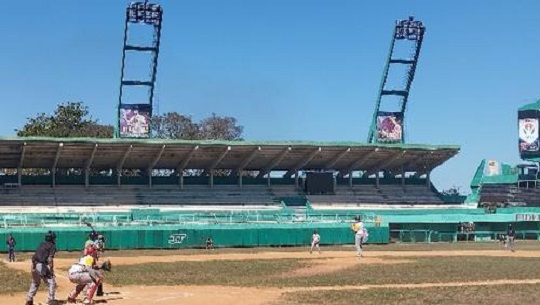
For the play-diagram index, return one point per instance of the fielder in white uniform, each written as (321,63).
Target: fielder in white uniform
(315,240)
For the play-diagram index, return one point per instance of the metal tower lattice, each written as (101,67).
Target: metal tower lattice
(388,126)
(134,116)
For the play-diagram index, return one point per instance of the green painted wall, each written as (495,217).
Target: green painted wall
(192,236)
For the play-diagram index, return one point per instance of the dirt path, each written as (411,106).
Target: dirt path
(223,295)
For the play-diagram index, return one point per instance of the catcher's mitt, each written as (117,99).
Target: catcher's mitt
(106,265)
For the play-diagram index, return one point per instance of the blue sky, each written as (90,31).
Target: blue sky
(289,69)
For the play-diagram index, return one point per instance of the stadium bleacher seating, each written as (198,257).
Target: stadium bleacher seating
(508,195)
(385,194)
(107,195)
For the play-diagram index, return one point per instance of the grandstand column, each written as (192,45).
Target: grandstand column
(240,178)
(181,180)
(268,180)
(53,176)
(118,176)
(120,165)
(350,179)
(377,178)
(296,179)
(21,161)
(152,164)
(55,163)
(402,177)
(212,179)
(428,178)
(88,165)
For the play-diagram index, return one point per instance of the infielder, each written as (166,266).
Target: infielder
(358,228)
(86,273)
(315,240)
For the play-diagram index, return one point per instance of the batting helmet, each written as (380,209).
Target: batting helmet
(50,236)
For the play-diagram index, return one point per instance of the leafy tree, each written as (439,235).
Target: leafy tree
(69,120)
(173,125)
(452,191)
(220,128)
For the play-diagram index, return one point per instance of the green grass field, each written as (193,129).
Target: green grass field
(444,272)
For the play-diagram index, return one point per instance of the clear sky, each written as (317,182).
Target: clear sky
(289,69)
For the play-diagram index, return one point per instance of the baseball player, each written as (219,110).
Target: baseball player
(358,229)
(209,243)
(92,247)
(43,269)
(315,240)
(10,242)
(86,273)
(511,235)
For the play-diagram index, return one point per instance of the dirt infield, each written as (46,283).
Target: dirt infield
(225,295)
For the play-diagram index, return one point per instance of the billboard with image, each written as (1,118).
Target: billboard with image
(135,120)
(389,126)
(528,135)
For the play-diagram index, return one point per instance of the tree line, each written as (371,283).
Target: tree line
(73,119)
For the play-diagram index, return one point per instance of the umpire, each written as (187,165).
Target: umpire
(43,269)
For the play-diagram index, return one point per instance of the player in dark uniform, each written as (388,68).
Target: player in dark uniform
(10,242)
(43,269)
(511,235)
(209,243)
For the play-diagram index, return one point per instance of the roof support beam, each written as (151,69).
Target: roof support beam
(303,163)
(337,158)
(156,159)
(274,162)
(386,163)
(358,163)
(428,167)
(218,160)
(21,160)
(412,163)
(91,158)
(182,164)
(55,162)
(246,161)
(120,163)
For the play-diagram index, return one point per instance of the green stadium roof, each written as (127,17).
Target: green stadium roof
(263,156)
(531,106)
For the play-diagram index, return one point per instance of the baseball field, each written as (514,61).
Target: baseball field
(404,274)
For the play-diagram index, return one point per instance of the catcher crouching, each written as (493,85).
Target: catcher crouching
(87,273)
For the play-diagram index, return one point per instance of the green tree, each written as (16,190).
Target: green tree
(452,191)
(173,125)
(220,128)
(70,119)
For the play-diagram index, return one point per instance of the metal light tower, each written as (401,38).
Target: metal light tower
(387,126)
(134,115)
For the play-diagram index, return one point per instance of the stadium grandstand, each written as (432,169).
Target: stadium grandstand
(142,192)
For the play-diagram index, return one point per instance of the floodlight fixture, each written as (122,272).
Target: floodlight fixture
(409,29)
